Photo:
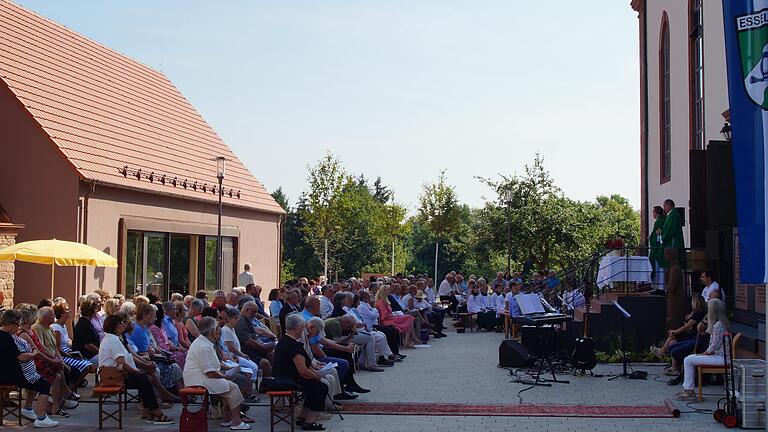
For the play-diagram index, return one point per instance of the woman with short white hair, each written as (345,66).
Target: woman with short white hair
(203,369)
(311,336)
(717,326)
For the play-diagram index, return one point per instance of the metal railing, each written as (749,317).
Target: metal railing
(626,269)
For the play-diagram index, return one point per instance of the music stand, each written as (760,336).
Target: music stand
(625,374)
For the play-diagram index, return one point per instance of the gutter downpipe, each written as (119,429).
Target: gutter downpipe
(84,233)
(280,223)
(645,116)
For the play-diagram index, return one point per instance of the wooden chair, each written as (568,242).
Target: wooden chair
(507,326)
(104,393)
(716,370)
(274,326)
(468,320)
(286,399)
(5,396)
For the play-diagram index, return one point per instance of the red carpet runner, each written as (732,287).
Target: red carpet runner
(519,410)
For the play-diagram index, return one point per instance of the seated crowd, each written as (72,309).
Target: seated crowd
(316,336)
(312,335)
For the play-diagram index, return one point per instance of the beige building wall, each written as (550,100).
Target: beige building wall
(715,94)
(257,232)
(38,189)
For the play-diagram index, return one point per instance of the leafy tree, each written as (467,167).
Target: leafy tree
(322,222)
(381,192)
(622,221)
(548,229)
(281,198)
(439,211)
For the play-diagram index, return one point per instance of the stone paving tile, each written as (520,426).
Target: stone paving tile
(462,369)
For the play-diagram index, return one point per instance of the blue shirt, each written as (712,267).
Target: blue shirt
(306,315)
(274,308)
(170,330)
(514,308)
(140,338)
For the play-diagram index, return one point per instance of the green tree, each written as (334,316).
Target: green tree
(322,221)
(622,221)
(281,198)
(439,211)
(548,229)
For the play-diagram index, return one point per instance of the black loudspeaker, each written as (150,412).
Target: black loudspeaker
(721,187)
(513,354)
(712,249)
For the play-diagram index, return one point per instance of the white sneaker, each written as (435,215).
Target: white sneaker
(46,423)
(226,424)
(241,426)
(28,413)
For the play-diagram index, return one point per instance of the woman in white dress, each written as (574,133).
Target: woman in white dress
(203,369)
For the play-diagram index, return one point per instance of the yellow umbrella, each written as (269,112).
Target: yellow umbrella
(57,253)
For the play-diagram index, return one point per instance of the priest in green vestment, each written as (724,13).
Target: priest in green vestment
(672,230)
(656,250)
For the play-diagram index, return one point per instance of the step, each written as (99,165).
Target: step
(616,295)
(596,307)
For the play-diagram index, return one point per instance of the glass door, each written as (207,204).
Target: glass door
(208,263)
(134,263)
(154,264)
(178,280)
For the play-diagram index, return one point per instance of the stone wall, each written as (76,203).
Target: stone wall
(8,234)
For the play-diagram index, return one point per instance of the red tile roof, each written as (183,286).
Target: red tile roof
(105,111)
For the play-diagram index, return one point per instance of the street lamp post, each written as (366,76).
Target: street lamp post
(508,201)
(220,169)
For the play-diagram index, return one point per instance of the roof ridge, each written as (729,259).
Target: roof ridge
(81,37)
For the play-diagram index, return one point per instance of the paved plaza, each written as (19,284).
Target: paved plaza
(462,369)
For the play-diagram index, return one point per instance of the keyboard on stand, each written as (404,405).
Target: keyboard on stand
(540,319)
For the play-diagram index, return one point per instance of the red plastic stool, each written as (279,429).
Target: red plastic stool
(196,421)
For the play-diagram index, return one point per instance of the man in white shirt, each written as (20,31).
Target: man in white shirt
(711,288)
(380,339)
(428,290)
(370,316)
(326,301)
(246,277)
(447,291)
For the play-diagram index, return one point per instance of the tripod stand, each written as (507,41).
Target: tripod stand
(622,337)
(548,333)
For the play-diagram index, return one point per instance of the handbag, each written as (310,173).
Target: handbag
(196,421)
(110,376)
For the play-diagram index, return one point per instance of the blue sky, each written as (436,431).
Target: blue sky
(398,89)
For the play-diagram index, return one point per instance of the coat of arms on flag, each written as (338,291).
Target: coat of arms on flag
(753,47)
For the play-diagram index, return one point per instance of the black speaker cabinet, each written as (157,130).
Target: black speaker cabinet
(513,354)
